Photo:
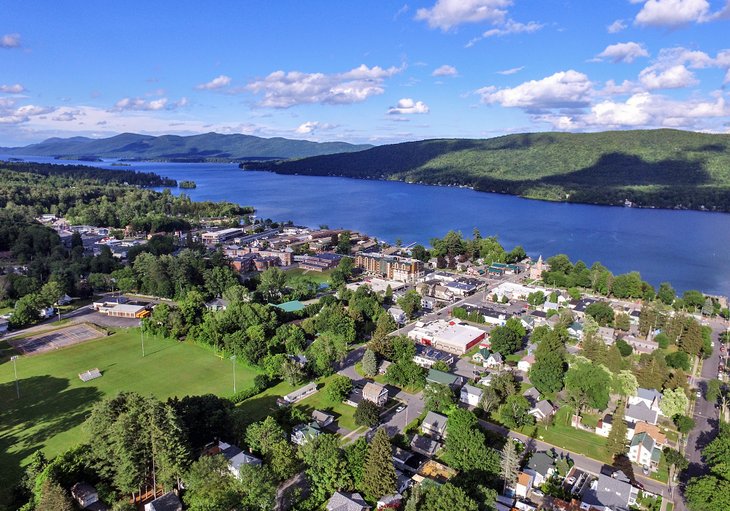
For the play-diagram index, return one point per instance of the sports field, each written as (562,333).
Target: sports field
(54,402)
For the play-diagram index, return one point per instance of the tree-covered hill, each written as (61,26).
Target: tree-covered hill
(651,168)
(208,146)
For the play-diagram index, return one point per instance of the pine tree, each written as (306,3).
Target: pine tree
(369,363)
(379,475)
(616,442)
(510,463)
(53,497)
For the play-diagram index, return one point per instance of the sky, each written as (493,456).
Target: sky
(363,71)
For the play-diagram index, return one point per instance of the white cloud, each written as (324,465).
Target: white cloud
(513,27)
(12,114)
(511,71)
(616,26)
(727,78)
(144,105)
(408,106)
(12,89)
(216,83)
(445,70)
(674,13)
(611,88)
(68,115)
(623,52)
(312,126)
(649,110)
(675,77)
(446,14)
(10,41)
(564,89)
(286,89)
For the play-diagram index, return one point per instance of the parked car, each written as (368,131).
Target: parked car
(400,408)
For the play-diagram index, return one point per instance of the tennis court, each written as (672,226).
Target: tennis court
(53,340)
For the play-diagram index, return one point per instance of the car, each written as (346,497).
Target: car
(645,470)
(699,393)
(357,390)
(400,408)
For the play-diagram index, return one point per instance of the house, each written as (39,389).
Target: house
(548,306)
(434,471)
(405,460)
(607,334)
(442,378)
(424,445)
(375,393)
(650,397)
(168,502)
(652,430)
(644,451)
(481,356)
(392,501)
(541,466)
(494,361)
(486,380)
(434,425)
(323,419)
(641,413)
(236,458)
(218,304)
(303,433)
(426,356)
(610,493)
(525,363)
(398,315)
(542,410)
(523,485)
(575,330)
(604,425)
(342,501)
(298,394)
(86,496)
(470,395)
(532,395)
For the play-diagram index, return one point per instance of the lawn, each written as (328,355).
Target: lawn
(563,435)
(318,277)
(260,406)
(54,402)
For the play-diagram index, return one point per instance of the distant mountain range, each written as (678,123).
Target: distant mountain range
(209,146)
(649,168)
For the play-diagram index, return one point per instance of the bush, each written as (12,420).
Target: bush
(338,388)
(624,348)
(662,340)
(367,414)
(678,360)
(684,424)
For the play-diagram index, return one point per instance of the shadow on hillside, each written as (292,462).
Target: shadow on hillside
(620,169)
(46,407)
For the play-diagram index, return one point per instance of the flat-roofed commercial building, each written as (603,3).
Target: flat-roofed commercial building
(450,336)
(216,237)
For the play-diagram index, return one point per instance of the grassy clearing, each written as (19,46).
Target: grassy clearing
(54,402)
(563,435)
(319,277)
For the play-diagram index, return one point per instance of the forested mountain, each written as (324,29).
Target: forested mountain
(210,146)
(651,168)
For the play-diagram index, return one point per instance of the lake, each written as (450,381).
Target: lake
(687,248)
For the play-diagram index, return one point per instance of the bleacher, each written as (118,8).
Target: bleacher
(89,375)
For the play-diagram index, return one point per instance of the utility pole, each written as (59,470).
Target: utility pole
(233,358)
(15,370)
(141,334)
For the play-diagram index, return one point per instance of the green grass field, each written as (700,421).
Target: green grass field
(319,277)
(54,402)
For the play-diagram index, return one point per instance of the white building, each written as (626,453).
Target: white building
(449,336)
(470,395)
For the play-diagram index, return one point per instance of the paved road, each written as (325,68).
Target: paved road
(705,414)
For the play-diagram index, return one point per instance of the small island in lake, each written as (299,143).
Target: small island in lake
(187,184)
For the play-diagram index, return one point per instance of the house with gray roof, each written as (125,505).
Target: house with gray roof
(236,458)
(168,502)
(434,425)
(342,501)
(649,397)
(425,445)
(541,466)
(640,412)
(542,410)
(611,493)
(532,395)
(470,395)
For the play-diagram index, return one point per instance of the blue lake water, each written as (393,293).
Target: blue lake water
(687,248)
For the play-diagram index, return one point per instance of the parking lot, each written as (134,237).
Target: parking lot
(55,339)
